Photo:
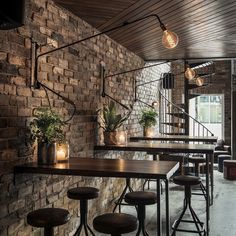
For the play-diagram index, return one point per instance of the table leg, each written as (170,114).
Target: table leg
(159,221)
(212,178)
(167,207)
(207,195)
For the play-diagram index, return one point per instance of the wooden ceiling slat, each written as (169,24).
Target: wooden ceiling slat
(178,26)
(197,22)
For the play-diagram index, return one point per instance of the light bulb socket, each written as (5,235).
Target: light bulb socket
(163,27)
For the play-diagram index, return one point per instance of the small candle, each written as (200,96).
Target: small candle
(121,138)
(61,155)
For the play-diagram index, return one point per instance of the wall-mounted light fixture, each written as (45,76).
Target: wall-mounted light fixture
(154,104)
(169,40)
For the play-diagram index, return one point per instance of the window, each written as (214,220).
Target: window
(209,108)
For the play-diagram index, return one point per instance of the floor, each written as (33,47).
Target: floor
(223,212)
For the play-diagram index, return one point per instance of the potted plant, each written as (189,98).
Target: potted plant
(110,121)
(147,121)
(47,129)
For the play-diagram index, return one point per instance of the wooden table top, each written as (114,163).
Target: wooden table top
(205,139)
(154,147)
(104,168)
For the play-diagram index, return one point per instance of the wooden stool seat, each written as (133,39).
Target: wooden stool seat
(141,198)
(81,193)
(186,180)
(48,218)
(115,223)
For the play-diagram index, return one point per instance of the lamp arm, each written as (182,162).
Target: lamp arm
(61,96)
(137,69)
(93,36)
(121,104)
(138,100)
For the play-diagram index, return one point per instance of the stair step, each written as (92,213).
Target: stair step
(192,65)
(175,124)
(205,74)
(193,95)
(178,115)
(181,105)
(173,133)
(193,86)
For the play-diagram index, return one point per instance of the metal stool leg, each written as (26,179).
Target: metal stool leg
(187,204)
(83,219)
(118,203)
(48,231)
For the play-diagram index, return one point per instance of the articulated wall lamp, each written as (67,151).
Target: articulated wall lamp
(169,40)
(136,99)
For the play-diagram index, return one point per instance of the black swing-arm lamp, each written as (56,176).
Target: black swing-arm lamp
(104,94)
(169,40)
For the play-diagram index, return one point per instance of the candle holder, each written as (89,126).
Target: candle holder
(62,152)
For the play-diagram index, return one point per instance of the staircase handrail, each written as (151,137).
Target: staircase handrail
(184,112)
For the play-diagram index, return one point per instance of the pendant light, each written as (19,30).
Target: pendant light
(189,73)
(199,81)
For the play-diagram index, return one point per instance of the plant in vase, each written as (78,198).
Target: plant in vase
(110,122)
(47,129)
(147,121)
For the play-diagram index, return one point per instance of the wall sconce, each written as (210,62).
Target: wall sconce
(62,152)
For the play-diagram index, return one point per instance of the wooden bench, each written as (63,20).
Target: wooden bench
(230,169)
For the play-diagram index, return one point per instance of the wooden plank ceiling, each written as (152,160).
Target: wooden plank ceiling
(206,28)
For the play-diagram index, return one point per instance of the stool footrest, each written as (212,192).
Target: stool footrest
(202,230)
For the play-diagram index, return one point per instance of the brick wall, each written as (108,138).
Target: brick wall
(75,73)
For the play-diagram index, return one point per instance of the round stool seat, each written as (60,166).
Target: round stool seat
(186,180)
(141,198)
(82,193)
(48,217)
(115,223)
(197,159)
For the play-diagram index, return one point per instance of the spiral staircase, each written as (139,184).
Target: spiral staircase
(174,119)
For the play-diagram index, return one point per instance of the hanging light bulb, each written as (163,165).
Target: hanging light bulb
(189,73)
(169,39)
(199,81)
(155,104)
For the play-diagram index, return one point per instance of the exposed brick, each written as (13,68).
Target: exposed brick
(18,80)
(3,56)
(24,112)
(24,91)
(52,42)
(58,70)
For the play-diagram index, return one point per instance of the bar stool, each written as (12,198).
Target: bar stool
(83,194)
(48,218)
(141,199)
(187,181)
(197,160)
(115,224)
